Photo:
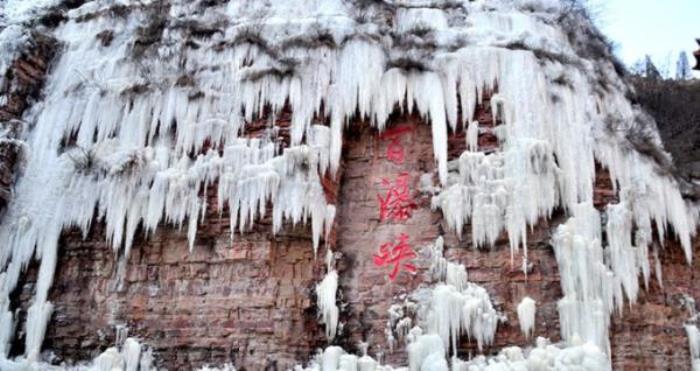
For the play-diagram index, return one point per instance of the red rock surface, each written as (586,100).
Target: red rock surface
(249,301)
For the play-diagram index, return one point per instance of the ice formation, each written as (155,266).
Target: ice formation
(12,41)
(400,323)
(427,353)
(135,133)
(473,136)
(595,281)
(326,292)
(335,358)
(458,307)
(543,357)
(526,315)
(451,273)
(130,356)
(694,343)
(588,285)
(450,313)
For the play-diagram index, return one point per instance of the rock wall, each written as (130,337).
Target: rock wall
(251,301)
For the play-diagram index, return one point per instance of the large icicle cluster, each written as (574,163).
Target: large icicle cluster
(451,309)
(596,279)
(589,287)
(560,117)
(135,128)
(501,190)
(458,307)
(454,307)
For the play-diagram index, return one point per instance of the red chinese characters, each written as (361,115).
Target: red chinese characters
(395,150)
(397,203)
(398,256)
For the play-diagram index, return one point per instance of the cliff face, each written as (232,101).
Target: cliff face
(193,182)
(248,302)
(251,301)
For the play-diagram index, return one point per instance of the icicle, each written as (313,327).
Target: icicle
(422,348)
(326,296)
(347,362)
(526,316)
(694,343)
(591,290)
(331,358)
(657,268)
(473,136)
(457,306)
(132,354)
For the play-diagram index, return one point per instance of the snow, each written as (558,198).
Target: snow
(526,316)
(117,139)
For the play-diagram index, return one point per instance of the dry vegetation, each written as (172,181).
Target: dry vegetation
(674,105)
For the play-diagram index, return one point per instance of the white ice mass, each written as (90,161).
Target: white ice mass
(135,136)
(526,315)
